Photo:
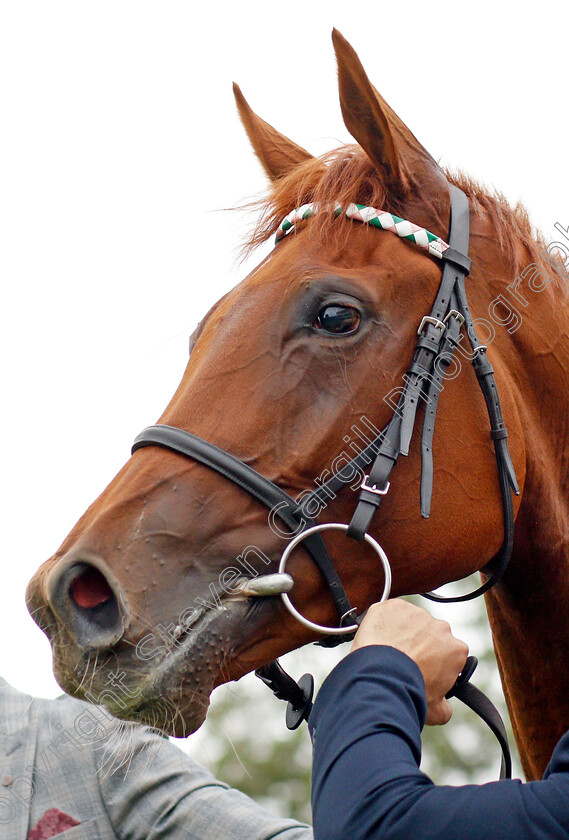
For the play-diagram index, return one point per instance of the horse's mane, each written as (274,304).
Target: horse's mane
(346,174)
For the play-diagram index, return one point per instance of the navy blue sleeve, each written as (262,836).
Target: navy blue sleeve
(366,783)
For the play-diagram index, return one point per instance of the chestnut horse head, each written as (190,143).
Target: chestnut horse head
(291,372)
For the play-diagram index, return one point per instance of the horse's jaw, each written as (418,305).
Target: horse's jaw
(165,680)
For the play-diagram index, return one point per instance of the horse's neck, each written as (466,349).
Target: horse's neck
(529,608)
(529,617)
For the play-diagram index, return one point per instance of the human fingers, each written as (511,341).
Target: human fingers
(438,713)
(394,623)
(428,641)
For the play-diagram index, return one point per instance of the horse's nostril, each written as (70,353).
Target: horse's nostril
(90,589)
(88,602)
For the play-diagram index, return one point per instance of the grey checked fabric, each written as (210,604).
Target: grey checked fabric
(117,781)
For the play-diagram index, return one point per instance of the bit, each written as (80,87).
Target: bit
(266,585)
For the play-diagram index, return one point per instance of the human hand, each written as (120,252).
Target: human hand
(426,640)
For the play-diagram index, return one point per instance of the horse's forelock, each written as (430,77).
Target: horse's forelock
(347,175)
(343,175)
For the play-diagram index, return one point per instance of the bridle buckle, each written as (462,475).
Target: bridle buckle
(454,313)
(372,488)
(428,319)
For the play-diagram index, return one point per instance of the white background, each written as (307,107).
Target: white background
(120,146)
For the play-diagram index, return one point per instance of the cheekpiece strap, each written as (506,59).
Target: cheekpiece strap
(439,335)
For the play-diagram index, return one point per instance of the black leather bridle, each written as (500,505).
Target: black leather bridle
(438,337)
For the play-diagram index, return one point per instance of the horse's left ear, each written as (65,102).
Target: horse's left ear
(276,152)
(386,140)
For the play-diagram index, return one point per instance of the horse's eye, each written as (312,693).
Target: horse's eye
(337,320)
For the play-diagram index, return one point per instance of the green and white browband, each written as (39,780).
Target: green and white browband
(370,216)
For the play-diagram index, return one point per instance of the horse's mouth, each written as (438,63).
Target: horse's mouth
(165,680)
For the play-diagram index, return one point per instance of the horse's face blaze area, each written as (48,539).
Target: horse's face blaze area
(139,602)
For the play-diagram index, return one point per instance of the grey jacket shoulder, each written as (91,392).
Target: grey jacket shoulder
(114,780)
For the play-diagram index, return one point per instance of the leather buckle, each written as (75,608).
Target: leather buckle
(428,319)
(454,313)
(372,488)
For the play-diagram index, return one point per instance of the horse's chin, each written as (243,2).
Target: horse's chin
(176,719)
(170,691)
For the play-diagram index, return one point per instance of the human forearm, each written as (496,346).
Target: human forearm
(366,778)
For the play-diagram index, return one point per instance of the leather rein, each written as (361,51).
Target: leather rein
(439,334)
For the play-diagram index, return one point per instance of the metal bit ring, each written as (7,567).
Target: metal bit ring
(333,526)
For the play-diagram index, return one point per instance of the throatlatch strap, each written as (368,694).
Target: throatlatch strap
(506,473)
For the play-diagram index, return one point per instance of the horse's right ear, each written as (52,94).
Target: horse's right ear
(276,152)
(384,137)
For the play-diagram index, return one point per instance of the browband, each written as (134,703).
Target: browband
(370,216)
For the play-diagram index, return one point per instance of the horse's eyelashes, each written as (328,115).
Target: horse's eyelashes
(336,319)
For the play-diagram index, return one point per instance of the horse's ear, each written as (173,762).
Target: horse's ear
(276,152)
(382,135)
